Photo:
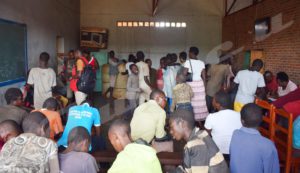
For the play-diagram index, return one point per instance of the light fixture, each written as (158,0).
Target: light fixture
(157,25)
(119,24)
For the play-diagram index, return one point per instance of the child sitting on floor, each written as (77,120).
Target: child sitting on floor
(182,94)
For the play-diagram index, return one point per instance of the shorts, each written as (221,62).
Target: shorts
(238,106)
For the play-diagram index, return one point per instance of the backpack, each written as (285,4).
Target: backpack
(87,81)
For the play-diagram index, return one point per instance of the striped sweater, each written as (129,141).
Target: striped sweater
(201,155)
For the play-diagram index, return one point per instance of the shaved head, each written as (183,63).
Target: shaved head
(37,123)
(9,129)
(79,139)
(120,126)
(155,93)
(251,115)
(51,103)
(119,134)
(181,78)
(78,134)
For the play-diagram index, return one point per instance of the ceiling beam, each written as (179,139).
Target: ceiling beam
(231,6)
(154,7)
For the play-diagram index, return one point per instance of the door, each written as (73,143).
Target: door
(252,55)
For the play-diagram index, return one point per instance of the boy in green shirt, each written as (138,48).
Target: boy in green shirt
(133,156)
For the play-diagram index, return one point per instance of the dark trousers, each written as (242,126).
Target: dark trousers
(227,158)
(209,104)
(184,106)
(98,143)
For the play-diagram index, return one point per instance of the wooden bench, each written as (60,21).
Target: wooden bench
(165,158)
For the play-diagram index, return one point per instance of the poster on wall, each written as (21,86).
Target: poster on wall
(93,37)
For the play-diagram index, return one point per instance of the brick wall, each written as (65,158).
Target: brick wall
(282,49)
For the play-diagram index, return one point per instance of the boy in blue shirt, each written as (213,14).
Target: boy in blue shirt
(83,115)
(249,151)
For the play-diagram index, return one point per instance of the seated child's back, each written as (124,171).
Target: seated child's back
(31,151)
(75,158)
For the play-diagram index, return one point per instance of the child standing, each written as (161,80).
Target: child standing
(43,79)
(182,94)
(249,82)
(169,77)
(133,89)
(159,74)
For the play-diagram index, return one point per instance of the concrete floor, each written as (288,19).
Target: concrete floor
(111,109)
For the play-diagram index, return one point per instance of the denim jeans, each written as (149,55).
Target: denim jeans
(184,106)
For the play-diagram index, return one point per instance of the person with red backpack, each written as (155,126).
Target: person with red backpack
(83,77)
(91,60)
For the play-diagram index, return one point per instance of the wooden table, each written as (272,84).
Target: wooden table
(165,158)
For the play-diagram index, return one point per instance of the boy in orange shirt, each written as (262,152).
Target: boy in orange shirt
(49,109)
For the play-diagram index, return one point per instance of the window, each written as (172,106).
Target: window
(148,24)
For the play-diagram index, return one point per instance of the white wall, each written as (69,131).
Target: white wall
(45,20)
(203,18)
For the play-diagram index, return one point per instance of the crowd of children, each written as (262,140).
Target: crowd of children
(209,108)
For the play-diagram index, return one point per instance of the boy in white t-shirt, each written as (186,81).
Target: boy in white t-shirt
(43,80)
(144,80)
(223,123)
(249,81)
(131,59)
